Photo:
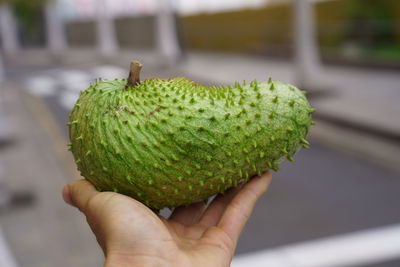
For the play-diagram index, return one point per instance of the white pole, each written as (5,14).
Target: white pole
(8,30)
(166,33)
(307,62)
(55,31)
(106,36)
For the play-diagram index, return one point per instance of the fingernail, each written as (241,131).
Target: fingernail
(66,194)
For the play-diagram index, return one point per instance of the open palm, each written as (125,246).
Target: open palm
(131,234)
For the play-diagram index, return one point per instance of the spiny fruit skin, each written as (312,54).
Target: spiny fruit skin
(166,142)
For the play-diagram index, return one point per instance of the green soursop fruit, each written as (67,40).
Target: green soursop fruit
(172,142)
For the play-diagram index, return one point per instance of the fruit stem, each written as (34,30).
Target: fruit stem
(134,74)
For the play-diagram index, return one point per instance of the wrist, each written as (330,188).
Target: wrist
(129,260)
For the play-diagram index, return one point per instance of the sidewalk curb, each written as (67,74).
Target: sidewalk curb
(46,120)
(355,125)
(360,144)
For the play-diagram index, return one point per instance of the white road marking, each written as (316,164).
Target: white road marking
(67,99)
(353,249)
(267,258)
(41,85)
(77,86)
(6,258)
(70,79)
(74,80)
(109,72)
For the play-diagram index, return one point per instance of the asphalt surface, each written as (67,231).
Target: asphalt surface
(326,192)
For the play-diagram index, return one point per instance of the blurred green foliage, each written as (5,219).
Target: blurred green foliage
(27,12)
(372,22)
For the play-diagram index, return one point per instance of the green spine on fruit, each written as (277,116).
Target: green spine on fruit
(172,142)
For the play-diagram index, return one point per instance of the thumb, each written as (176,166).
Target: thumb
(79,193)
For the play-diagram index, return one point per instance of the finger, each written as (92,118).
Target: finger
(80,192)
(213,213)
(240,208)
(66,194)
(188,215)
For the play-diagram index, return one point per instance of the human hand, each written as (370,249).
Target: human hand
(131,234)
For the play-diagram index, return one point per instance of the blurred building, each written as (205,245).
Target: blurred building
(346,182)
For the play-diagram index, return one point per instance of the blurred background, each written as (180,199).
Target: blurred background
(337,205)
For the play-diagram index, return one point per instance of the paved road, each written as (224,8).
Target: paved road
(324,193)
